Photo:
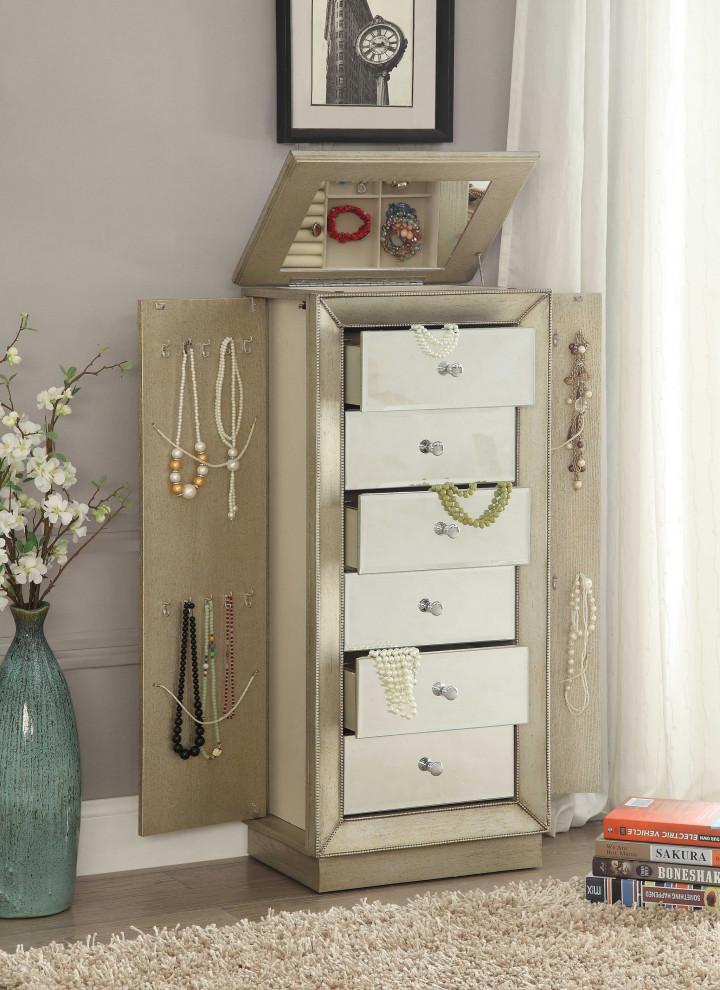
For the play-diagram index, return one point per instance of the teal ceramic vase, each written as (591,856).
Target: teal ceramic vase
(39,776)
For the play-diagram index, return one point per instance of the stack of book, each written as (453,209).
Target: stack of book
(654,851)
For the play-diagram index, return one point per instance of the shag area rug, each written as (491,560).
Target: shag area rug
(539,935)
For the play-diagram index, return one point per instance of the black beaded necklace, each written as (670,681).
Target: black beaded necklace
(188,625)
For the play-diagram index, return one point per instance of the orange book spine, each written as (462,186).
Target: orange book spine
(632,830)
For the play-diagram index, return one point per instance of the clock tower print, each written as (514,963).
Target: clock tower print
(364,48)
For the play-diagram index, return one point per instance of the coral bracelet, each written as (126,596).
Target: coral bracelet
(345,236)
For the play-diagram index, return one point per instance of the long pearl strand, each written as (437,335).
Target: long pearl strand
(583,620)
(237,401)
(397,670)
(440,345)
(177,487)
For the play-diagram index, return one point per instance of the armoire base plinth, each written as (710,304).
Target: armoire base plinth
(393,866)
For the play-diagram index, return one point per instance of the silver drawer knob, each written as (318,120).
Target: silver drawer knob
(432,447)
(441,690)
(432,608)
(454,370)
(447,529)
(427,765)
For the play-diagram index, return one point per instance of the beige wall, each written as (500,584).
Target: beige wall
(137,149)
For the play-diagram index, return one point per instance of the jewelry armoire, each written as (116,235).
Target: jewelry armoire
(341,545)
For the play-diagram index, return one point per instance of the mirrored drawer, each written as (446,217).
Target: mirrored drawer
(428,769)
(407,531)
(491,366)
(457,689)
(403,450)
(417,608)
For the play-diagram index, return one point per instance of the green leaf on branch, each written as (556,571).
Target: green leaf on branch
(29,545)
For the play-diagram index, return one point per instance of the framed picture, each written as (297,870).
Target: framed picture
(365,70)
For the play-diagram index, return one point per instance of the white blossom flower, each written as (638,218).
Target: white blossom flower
(29,569)
(33,432)
(47,471)
(59,553)
(78,532)
(14,448)
(63,409)
(49,396)
(11,418)
(57,509)
(80,512)
(101,513)
(10,521)
(12,355)
(3,554)
(70,474)
(26,501)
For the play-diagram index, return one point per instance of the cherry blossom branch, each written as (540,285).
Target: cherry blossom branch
(80,549)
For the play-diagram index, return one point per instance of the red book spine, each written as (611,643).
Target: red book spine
(648,830)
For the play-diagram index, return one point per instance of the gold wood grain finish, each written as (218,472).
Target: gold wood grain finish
(577,750)
(393,866)
(192,550)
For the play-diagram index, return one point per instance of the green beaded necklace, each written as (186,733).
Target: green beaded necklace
(449,495)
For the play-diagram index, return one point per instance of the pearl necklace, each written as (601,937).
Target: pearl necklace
(583,619)
(397,670)
(440,345)
(175,464)
(237,402)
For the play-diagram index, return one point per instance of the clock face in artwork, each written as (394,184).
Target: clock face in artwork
(381,43)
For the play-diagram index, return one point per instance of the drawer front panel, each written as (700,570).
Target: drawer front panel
(403,532)
(383,774)
(495,366)
(473,606)
(388,450)
(487,687)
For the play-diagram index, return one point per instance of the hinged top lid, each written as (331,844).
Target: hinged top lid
(417,216)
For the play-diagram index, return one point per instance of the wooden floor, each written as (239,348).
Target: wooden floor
(224,892)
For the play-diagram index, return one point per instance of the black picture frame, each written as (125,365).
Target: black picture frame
(442,132)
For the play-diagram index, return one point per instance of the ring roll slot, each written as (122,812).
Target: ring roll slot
(304,261)
(305,236)
(300,249)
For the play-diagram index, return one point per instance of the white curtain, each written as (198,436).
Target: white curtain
(621,99)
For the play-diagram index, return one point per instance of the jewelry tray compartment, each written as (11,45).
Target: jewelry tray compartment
(455,689)
(426,447)
(489,366)
(467,605)
(428,769)
(411,531)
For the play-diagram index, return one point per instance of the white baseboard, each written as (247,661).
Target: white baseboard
(109,840)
